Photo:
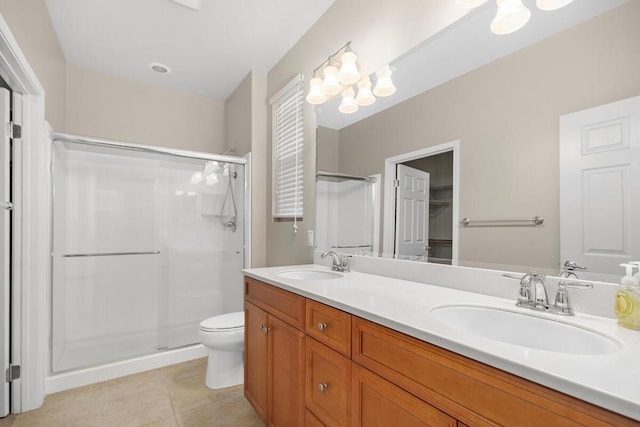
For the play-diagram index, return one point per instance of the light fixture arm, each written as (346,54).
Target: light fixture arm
(346,47)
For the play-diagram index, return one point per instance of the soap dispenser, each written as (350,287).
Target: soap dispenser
(627,304)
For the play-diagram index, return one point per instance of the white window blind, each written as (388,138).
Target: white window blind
(287,139)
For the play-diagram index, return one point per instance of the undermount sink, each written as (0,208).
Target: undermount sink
(527,330)
(309,274)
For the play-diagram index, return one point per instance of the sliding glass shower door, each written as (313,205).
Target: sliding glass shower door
(145,246)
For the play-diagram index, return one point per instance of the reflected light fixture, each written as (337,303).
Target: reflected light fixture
(552,4)
(512,15)
(348,104)
(365,97)
(341,76)
(384,85)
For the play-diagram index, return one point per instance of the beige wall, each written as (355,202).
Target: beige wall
(238,118)
(259,204)
(327,149)
(107,106)
(380,31)
(506,117)
(31,26)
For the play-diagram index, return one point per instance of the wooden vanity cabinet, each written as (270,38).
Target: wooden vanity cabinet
(274,354)
(349,371)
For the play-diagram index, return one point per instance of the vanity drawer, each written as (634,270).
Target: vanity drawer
(330,326)
(474,393)
(378,402)
(283,304)
(328,375)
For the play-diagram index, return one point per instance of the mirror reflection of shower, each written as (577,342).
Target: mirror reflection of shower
(210,176)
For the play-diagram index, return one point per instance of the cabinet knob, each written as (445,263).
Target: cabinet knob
(322,326)
(264,328)
(322,387)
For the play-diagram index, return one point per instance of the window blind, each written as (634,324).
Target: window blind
(287,140)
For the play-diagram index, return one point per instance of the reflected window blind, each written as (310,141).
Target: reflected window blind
(287,139)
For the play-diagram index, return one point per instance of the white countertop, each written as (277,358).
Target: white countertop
(611,381)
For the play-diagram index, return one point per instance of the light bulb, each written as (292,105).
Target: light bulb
(512,15)
(384,85)
(349,73)
(316,96)
(365,96)
(470,4)
(330,85)
(552,4)
(348,104)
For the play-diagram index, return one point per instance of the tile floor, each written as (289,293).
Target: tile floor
(170,396)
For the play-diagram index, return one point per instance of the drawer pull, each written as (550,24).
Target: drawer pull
(322,326)
(322,387)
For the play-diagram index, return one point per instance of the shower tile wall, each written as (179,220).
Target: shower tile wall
(107,308)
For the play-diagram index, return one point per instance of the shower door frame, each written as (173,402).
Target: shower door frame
(245,161)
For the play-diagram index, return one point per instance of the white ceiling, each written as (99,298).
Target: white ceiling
(463,47)
(209,51)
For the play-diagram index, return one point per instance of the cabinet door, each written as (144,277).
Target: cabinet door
(286,374)
(377,402)
(256,358)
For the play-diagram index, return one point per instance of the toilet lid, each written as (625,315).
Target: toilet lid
(224,322)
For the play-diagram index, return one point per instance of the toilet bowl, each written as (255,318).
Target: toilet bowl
(223,335)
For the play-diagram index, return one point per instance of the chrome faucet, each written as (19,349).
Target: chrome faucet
(568,269)
(340,262)
(533,294)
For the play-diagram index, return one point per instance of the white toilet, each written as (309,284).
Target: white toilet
(224,336)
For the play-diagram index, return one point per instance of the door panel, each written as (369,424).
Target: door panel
(412,212)
(5,246)
(600,166)
(256,359)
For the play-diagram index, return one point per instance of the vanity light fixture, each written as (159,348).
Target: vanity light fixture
(552,4)
(348,104)
(384,85)
(340,75)
(512,14)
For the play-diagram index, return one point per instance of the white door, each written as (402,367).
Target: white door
(599,179)
(5,197)
(412,212)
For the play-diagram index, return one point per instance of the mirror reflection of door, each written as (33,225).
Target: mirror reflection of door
(424,219)
(599,197)
(412,212)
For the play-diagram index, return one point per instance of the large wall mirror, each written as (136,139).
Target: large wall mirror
(477,119)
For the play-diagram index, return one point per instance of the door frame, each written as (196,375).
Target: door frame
(390,198)
(30,228)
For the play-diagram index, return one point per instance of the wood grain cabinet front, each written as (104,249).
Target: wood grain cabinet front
(330,326)
(328,375)
(274,354)
(377,402)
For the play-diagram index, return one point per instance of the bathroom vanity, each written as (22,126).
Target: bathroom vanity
(363,350)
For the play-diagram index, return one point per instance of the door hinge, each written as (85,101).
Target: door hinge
(15,131)
(396,183)
(13,373)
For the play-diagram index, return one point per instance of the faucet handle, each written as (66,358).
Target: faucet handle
(562,303)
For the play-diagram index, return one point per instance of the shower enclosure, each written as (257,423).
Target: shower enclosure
(146,244)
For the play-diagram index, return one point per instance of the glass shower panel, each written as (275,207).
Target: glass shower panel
(146,246)
(202,219)
(105,256)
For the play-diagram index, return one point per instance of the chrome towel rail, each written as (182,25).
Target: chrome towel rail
(467,222)
(109,254)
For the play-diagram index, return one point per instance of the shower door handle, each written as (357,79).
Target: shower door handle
(6,206)
(109,254)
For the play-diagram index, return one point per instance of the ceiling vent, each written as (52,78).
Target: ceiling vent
(191,4)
